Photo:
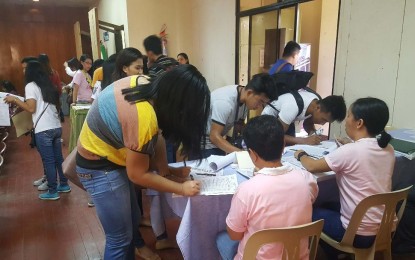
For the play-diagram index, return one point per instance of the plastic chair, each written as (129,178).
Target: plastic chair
(384,236)
(4,137)
(290,237)
(3,147)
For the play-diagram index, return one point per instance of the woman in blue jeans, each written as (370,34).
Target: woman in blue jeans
(42,101)
(123,136)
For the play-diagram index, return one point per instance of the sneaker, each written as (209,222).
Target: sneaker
(43,186)
(49,196)
(64,188)
(40,181)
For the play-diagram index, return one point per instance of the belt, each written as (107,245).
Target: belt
(91,176)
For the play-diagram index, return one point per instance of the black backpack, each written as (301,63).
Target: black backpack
(291,82)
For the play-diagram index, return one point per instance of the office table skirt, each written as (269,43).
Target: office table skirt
(203,217)
(77,117)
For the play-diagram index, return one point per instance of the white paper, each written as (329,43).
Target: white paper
(248,173)
(218,185)
(219,162)
(244,160)
(80,107)
(4,114)
(313,151)
(5,94)
(290,160)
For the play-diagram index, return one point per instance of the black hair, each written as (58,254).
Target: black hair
(263,83)
(74,63)
(44,60)
(265,135)
(8,87)
(184,55)
(334,105)
(36,73)
(108,69)
(27,59)
(145,68)
(182,105)
(83,58)
(153,43)
(125,58)
(375,115)
(291,48)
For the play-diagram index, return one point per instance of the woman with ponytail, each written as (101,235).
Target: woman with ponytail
(363,167)
(42,100)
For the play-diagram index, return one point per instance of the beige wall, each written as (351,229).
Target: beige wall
(309,32)
(200,28)
(375,56)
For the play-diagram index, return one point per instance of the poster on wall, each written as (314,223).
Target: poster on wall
(303,63)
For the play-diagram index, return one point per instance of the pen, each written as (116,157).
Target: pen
(184,162)
(206,174)
(191,177)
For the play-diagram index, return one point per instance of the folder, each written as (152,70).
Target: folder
(22,122)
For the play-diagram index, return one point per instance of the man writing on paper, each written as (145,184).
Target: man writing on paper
(229,106)
(329,109)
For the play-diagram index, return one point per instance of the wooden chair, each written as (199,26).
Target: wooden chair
(290,237)
(384,236)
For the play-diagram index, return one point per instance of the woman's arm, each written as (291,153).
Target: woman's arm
(75,93)
(138,172)
(29,105)
(312,165)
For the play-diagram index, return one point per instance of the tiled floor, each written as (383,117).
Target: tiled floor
(63,229)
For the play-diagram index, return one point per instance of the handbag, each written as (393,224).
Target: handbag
(69,169)
(32,131)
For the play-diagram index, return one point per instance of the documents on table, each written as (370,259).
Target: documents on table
(4,115)
(218,185)
(213,163)
(314,151)
(403,141)
(244,161)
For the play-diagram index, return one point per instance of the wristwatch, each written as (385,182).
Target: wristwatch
(301,155)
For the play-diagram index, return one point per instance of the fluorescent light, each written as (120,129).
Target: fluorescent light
(35,0)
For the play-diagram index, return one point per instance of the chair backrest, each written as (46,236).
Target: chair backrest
(390,201)
(2,147)
(290,237)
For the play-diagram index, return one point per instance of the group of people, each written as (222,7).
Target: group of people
(136,122)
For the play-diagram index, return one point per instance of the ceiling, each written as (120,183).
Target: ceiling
(71,3)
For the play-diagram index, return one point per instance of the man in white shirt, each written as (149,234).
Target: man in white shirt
(229,108)
(315,111)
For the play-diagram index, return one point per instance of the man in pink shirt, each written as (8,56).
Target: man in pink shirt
(266,200)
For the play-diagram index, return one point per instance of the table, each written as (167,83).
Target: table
(77,117)
(203,217)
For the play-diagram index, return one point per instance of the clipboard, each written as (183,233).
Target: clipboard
(22,122)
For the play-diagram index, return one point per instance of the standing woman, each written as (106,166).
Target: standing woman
(123,135)
(82,89)
(182,58)
(42,98)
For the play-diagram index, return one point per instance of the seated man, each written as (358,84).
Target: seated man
(229,108)
(266,201)
(315,111)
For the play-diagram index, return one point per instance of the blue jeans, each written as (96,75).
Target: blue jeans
(117,209)
(49,145)
(226,246)
(333,228)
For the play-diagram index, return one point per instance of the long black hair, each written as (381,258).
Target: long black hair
(125,58)
(182,105)
(375,115)
(35,73)
(107,70)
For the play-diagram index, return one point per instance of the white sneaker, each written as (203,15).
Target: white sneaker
(40,181)
(43,186)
